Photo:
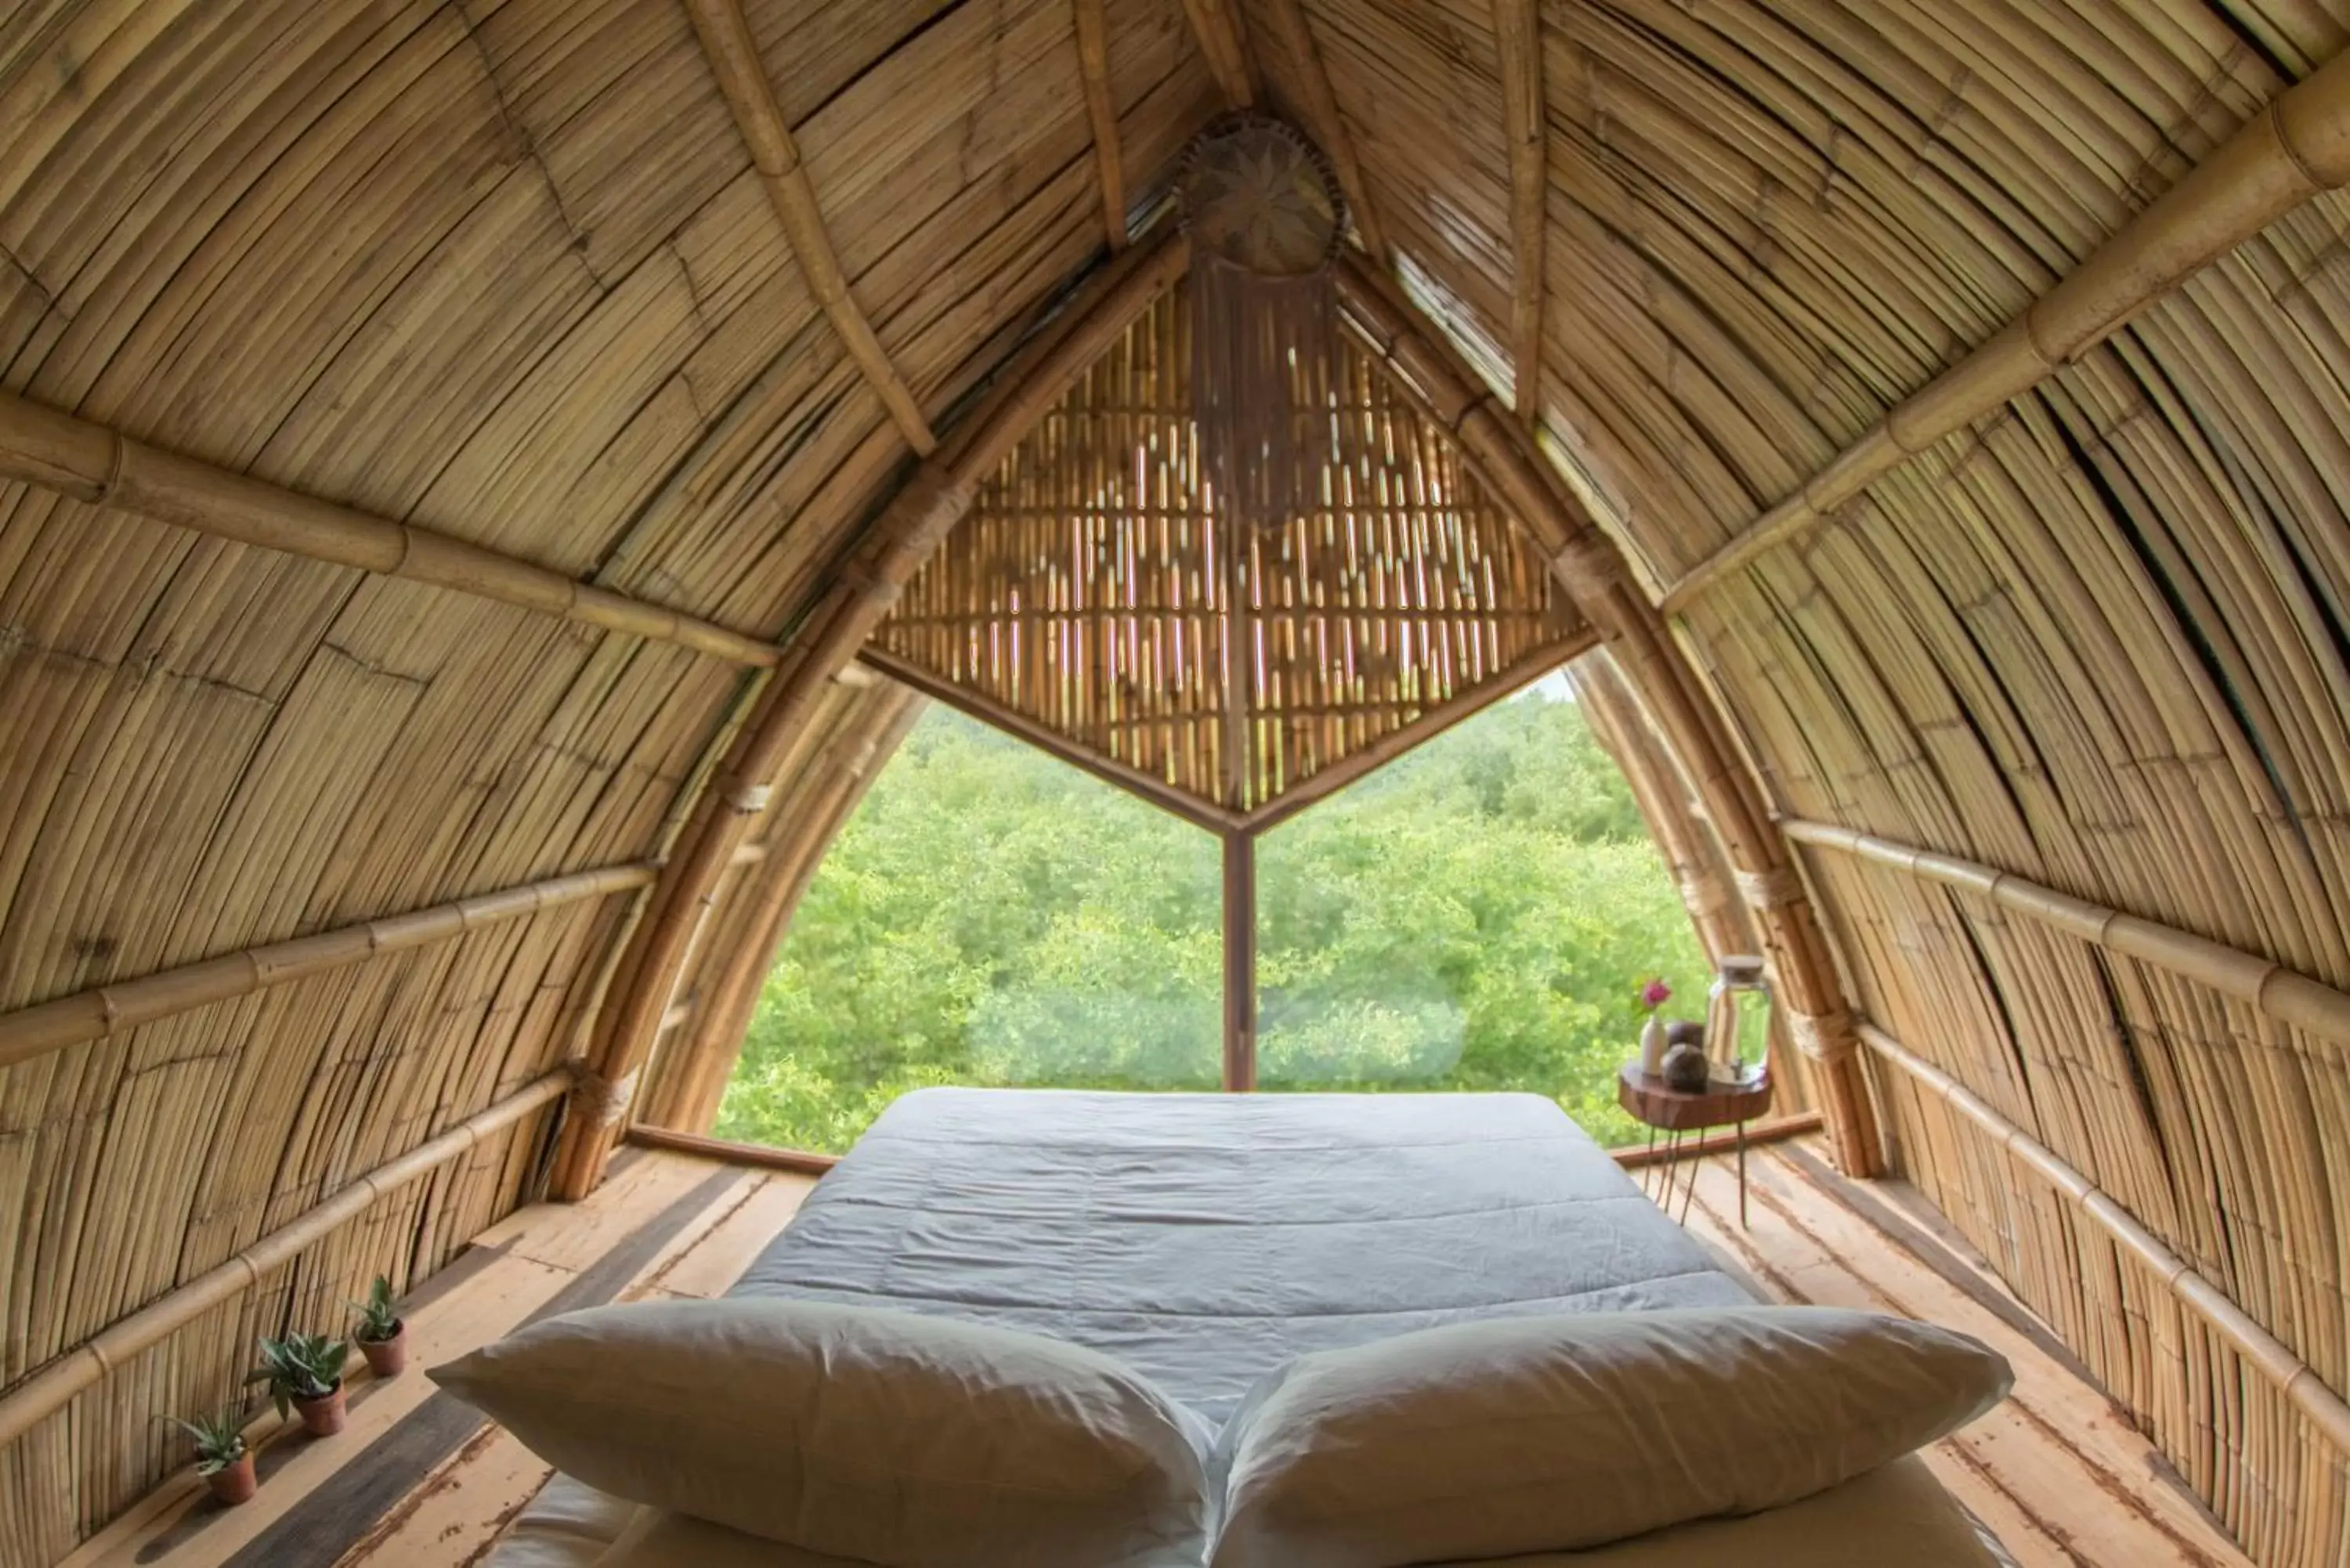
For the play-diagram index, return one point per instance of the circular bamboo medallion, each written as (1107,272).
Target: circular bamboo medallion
(1259,195)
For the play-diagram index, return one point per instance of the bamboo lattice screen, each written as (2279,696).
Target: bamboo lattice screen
(1096,595)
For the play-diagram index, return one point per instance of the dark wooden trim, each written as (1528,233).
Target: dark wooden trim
(805,1162)
(1427,727)
(1777,1130)
(1240,961)
(1133,781)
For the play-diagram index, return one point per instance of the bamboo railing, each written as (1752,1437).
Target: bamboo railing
(1593,571)
(2297,148)
(112,1009)
(930,502)
(49,1390)
(89,462)
(2262,1351)
(2272,988)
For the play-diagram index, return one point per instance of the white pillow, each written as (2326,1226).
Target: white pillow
(660,1539)
(567,1525)
(1549,1434)
(906,1441)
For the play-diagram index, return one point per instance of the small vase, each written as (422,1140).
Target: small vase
(234,1484)
(1652,1046)
(322,1417)
(386,1357)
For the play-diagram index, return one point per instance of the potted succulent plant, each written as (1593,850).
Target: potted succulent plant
(221,1457)
(305,1374)
(381,1333)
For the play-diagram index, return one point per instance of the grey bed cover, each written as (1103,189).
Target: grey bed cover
(1208,1240)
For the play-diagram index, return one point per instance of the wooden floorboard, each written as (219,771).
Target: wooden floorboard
(2058,1471)
(420,1482)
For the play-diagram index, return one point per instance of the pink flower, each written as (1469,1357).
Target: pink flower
(1654,994)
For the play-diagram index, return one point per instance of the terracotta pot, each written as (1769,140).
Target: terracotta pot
(235,1484)
(386,1357)
(322,1417)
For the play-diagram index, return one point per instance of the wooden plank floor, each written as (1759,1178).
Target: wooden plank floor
(2058,1471)
(418,1481)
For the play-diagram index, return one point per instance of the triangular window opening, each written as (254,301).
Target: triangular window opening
(1480,914)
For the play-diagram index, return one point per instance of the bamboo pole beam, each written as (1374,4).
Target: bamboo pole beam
(687,1089)
(1239,963)
(1217,28)
(48,1391)
(123,1005)
(1723,924)
(1431,723)
(1093,65)
(1317,104)
(733,56)
(1143,786)
(1591,567)
(2196,1295)
(71,456)
(2297,148)
(758,1157)
(932,500)
(2271,990)
(1517,31)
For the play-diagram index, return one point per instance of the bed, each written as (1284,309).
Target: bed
(1210,1239)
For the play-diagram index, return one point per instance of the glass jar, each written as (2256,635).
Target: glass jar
(1738,1019)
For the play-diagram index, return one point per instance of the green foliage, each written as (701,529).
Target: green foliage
(299,1367)
(219,1439)
(1480,913)
(379,1315)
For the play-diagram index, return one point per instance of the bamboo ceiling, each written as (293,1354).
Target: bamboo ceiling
(1096,593)
(493,425)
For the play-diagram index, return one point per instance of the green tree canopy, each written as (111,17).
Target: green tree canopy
(1480,914)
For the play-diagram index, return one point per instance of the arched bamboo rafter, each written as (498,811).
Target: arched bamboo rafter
(524,490)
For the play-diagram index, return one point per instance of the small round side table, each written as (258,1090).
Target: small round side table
(1676,1113)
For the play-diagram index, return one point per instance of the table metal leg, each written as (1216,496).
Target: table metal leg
(1690,1191)
(1741,1175)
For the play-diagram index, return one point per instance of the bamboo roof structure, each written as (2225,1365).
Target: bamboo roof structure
(453,457)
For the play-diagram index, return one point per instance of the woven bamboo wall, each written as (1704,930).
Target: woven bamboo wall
(2097,639)
(507,271)
(502,270)
(1090,589)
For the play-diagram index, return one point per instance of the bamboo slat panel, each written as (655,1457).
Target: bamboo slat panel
(1091,589)
(2096,637)
(507,273)
(503,273)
